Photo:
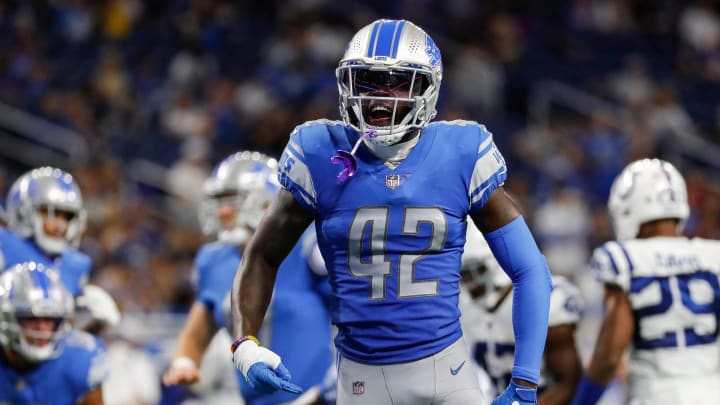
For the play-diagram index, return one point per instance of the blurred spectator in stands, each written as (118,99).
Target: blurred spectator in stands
(118,17)
(667,115)
(110,82)
(562,225)
(602,15)
(632,85)
(605,150)
(699,26)
(191,65)
(477,81)
(185,117)
(186,177)
(504,37)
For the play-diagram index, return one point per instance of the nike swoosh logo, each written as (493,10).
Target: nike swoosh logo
(454,371)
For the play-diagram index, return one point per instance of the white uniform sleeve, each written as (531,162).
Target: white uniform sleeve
(611,264)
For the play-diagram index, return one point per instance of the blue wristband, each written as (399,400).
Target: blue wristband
(588,392)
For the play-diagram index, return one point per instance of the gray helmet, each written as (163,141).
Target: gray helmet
(397,50)
(250,179)
(31,290)
(46,188)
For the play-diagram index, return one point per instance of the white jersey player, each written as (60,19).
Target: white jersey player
(662,295)
(486,307)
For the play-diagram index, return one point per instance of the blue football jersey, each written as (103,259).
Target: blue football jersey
(297,323)
(63,380)
(73,265)
(392,237)
(215,267)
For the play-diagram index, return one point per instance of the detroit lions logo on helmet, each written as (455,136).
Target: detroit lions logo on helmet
(432,51)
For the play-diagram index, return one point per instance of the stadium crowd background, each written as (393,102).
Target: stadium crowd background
(139,99)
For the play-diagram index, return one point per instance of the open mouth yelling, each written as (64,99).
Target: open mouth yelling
(380,115)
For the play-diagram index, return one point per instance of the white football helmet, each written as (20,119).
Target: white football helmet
(249,179)
(647,190)
(46,188)
(480,269)
(31,290)
(389,80)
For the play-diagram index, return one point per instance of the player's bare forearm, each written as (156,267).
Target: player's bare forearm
(614,336)
(253,284)
(563,363)
(195,337)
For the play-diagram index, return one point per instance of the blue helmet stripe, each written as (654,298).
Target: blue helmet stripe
(385,38)
(396,36)
(373,38)
(41,281)
(64,183)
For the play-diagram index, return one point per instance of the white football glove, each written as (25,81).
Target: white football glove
(99,305)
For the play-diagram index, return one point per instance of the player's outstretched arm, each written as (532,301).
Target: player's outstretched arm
(194,339)
(93,397)
(563,363)
(615,334)
(282,226)
(515,249)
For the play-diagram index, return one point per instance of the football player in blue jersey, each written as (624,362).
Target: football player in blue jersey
(43,361)
(390,193)
(298,324)
(46,220)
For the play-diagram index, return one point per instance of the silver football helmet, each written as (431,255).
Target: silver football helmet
(246,180)
(480,269)
(647,190)
(389,80)
(51,189)
(30,290)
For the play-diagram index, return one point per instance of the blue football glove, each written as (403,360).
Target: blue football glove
(266,380)
(262,368)
(517,395)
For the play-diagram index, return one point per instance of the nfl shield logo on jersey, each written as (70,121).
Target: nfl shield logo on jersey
(358,387)
(392,181)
